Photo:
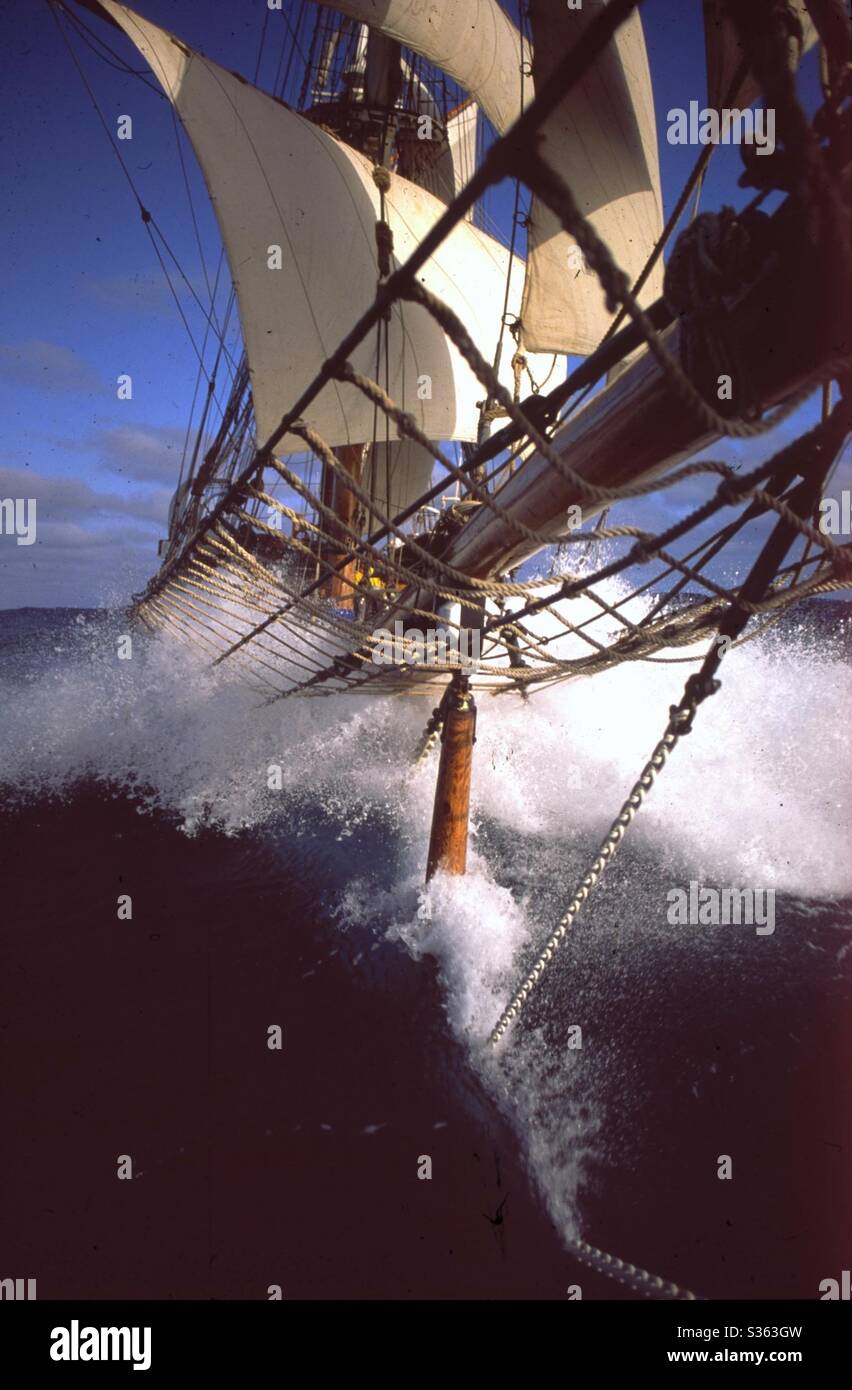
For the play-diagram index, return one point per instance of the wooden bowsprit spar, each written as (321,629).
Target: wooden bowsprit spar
(788,324)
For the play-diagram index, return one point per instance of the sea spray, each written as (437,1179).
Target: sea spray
(757,794)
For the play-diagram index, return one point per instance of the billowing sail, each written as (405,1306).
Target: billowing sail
(298,210)
(472,41)
(724,53)
(462,128)
(397,473)
(601,140)
(456,163)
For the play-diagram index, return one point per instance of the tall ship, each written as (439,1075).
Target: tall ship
(477,335)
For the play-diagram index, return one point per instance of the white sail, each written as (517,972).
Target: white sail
(473,41)
(601,140)
(724,53)
(417,92)
(462,127)
(397,473)
(277,180)
(455,163)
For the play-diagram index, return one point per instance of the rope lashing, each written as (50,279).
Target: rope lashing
(381,178)
(384,247)
(519,361)
(384,233)
(680,724)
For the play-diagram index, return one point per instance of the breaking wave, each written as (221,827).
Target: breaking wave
(758,794)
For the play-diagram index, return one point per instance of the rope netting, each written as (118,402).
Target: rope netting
(300,581)
(297,576)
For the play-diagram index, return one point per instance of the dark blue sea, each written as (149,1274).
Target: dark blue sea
(705,1049)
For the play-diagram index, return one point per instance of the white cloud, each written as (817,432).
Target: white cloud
(48,367)
(145,293)
(71,499)
(143,453)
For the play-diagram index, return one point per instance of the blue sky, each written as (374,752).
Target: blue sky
(85,299)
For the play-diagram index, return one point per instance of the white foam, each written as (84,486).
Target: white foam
(758,793)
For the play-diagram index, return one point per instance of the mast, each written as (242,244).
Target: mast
(362,113)
(344,504)
(653,414)
(612,449)
(372,110)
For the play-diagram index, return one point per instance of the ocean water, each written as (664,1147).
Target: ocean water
(305,908)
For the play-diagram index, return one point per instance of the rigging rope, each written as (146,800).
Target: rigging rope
(212,588)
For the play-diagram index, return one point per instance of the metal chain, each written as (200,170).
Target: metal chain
(607,850)
(431,734)
(680,722)
(631,1276)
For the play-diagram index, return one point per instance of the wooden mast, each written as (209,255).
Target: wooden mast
(377,87)
(344,504)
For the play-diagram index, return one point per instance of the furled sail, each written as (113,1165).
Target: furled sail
(382,71)
(277,180)
(724,53)
(601,140)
